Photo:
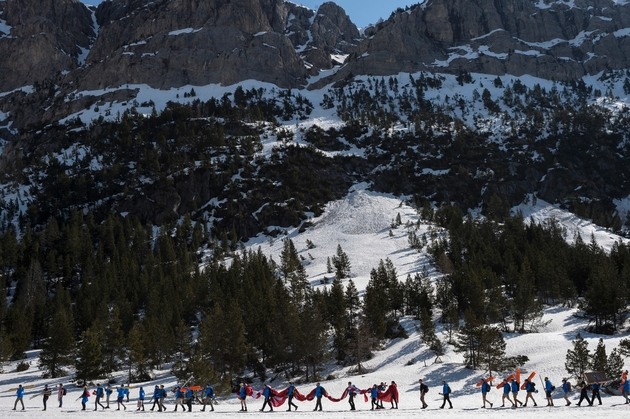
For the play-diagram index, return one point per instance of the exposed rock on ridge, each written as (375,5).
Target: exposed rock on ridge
(547,39)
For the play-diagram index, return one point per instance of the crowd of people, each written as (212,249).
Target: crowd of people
(185,396)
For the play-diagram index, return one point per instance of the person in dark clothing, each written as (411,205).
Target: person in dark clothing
(584,394)
(382,387)
(291,394)
(446,393)
(394,390)
(352,392)
(46,393)
(595,387)
(267,394)
(423,391)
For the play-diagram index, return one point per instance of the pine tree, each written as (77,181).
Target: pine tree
(578,359)
(89,359)
(57,350)
(600,358)
(135,355)
(113,341)
(427,328)
(614,365)
(341,263)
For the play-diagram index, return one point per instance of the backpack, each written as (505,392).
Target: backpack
(569,386)
(64,392)
(448,389)
(532,386)
(553,388)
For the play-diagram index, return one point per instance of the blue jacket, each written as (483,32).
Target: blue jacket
(189,393)
(485,387)
(319,391)
(548,385)
(209,391)
(352,390)
(108,391)
(156,392)
(141,396)
(565,386)
(374,393)
(291,388)
(515,386)
(267,392)
(121,391)
(529,387)
(243,392)
(445,389)
(596,387)
(20,392)
(99,391)
(163,393)
(506,388)
(626,386)
(179,394)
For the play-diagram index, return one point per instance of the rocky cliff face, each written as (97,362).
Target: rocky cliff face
(549,39)
(40,39)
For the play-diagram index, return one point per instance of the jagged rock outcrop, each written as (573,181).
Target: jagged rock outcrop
(547,39)
(41,38)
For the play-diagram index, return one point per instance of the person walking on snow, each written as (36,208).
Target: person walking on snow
(549,388)
(108,393)
(595,387)
(99,396)
(267,395)
(121,397)
(566,388)
(584,394)
(208,395)
(515,387)
(85,397)
(394,392)
(625,387)
(163,395)
(60,393)
(179,398)
(156,398)
(530,388)
(291,394)
(485,388)
(19,394)
(446,393)
(506,395)
(374,397)
(423,391)
(141,395)
(352,392)
(319,393)
(46,393)
(242,394)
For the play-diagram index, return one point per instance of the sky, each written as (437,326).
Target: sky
(361,12)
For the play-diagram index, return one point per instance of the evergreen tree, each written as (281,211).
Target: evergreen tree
(600,358)
(341,263)
(614,365)
(578,359)
(135,355)
(57,350)
(427,328)
(89,359)
(113,341)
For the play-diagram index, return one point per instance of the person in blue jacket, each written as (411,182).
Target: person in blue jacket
(99,395)
(446,393)
(595,388)
(566,388)
(267,394)
(85,397)
(141,399)
(625,389)
(549,388)
(291,394)
(163,395)
(374,397)
(190,397)
(485,388)
(156,398)
(515,387)
(19,394)
(108,393)
(506,394)
(352,392)
(121,397)
(319,393)
(242,395)
(530,388)
(208,395)
(180,395)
